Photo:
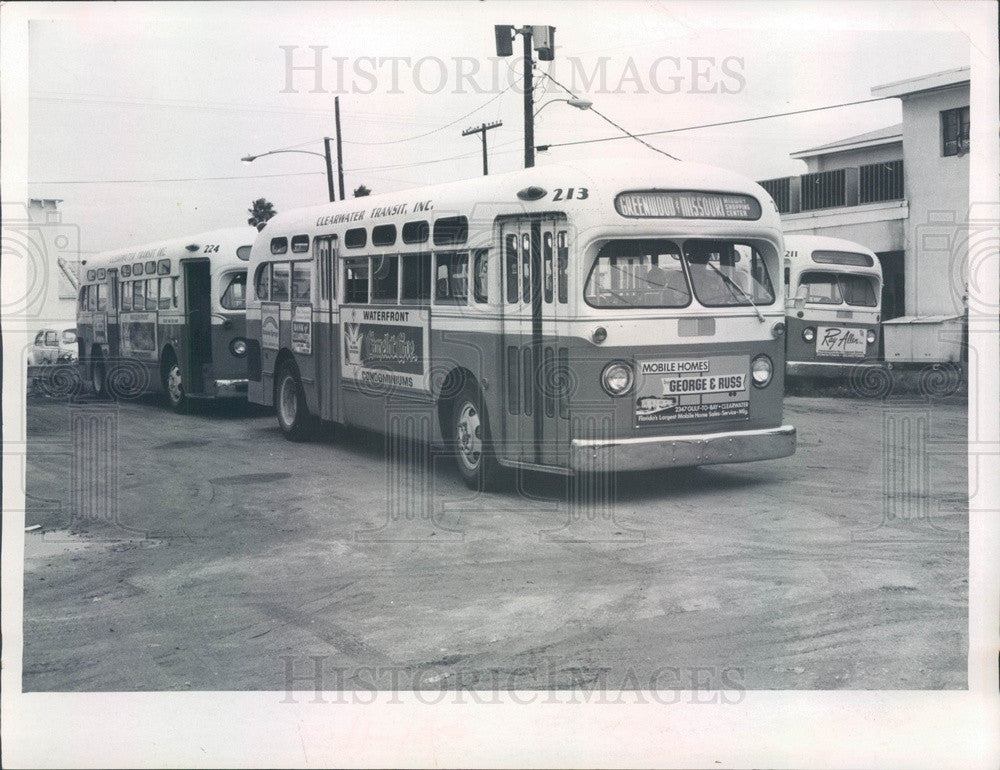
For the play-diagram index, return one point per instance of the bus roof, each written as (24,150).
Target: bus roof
(799,250)
(228,239)
(483,198)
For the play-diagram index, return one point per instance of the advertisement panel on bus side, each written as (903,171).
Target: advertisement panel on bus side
(386,348)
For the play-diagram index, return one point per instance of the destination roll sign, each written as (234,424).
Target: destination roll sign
(686,204)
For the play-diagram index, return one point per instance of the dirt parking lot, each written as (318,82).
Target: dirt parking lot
(205,552)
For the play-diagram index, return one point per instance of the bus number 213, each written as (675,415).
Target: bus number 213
(580,193)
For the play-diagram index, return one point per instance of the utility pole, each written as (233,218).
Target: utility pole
(529,107)
(543,39)
(329,169)
(340,154)
(482,131)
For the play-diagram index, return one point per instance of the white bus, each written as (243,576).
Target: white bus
(834,290)
(600,316)
(168,316)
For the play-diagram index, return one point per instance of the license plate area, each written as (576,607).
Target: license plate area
(840,342)
(672,391)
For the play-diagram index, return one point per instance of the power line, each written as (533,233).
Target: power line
(721,123)
(439,128)
(609,120)
(182,179)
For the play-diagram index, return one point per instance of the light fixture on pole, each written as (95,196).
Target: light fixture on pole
(325,155)
(545,43)
(580,104)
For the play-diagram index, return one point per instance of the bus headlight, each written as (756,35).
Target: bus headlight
(809,334)
(238,347)
(617,378)
(871,336)
(761,370)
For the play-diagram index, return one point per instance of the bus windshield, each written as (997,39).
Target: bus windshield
(726,274)
(650,273)
(837,288)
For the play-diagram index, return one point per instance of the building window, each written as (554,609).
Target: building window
(955,131)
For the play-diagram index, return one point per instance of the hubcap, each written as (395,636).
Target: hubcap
(288,401)
(469,432)
(175,388)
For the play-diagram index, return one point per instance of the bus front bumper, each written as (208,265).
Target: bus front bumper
(832,369)
(230,388)
(648,453)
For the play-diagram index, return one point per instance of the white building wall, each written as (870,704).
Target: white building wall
(937,189)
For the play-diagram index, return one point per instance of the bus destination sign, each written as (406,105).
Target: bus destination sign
(686,204)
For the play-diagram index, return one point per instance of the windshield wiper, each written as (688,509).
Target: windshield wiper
(733,285)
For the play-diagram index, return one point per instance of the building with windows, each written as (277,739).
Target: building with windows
(902,190)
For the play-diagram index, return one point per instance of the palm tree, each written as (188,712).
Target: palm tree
(361,192)
(260,211)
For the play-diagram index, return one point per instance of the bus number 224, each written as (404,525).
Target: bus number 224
(580,193)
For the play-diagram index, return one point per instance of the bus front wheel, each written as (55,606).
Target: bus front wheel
(473,445)
(173,385)
(99,376)
(290,405)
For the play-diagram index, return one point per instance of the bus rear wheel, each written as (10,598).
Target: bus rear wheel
(173,385)
(290,405)
(474,454)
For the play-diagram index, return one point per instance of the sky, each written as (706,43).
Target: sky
(139,114)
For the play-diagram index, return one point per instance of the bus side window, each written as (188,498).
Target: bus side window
(416,281)
(126,295)
(138,295)
(525,268)
(301,281)
(385,279)
(279,282)
(481,274)
(164,293)
(356,280)
(102,296)
(175,290)
(547,266)
(82,304)
(788,275)
(262,282)
(510,263)
(452,278)
(562,263)
(151,293)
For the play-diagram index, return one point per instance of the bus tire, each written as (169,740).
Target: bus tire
(290,404)
(173,384)
(470,431)
(99,376)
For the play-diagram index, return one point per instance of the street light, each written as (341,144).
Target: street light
(544,41)
(580,104)
(325,155)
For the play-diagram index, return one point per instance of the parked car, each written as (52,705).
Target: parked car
(53,346)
